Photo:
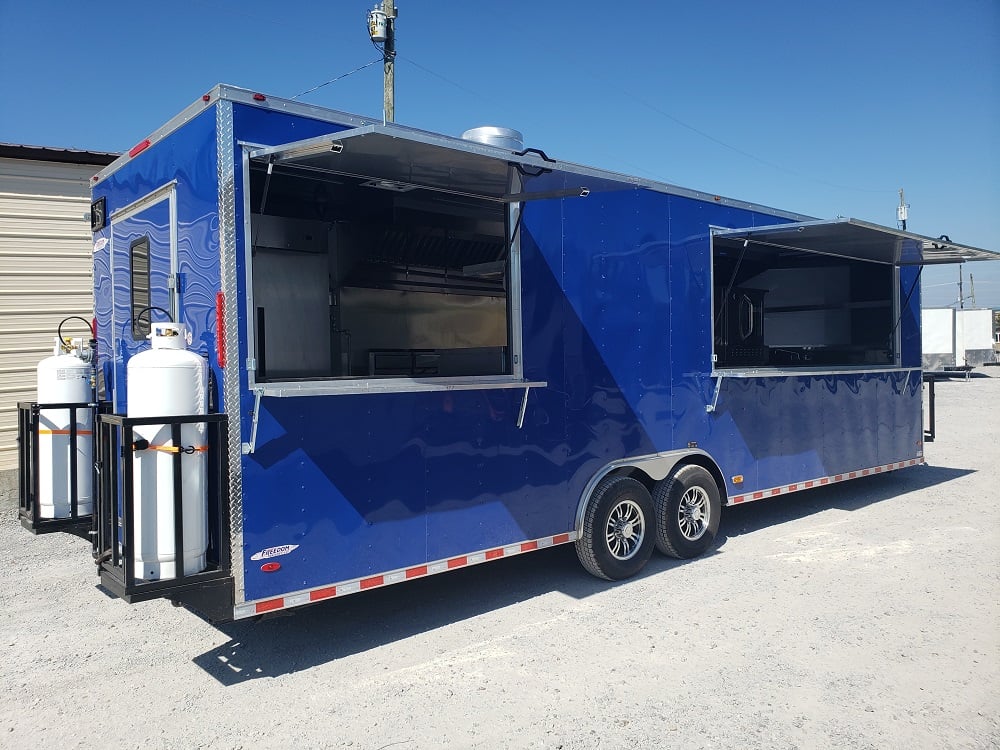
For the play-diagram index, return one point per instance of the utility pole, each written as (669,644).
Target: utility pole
(382,29)
(389,61)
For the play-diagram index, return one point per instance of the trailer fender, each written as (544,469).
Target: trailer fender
(656,467)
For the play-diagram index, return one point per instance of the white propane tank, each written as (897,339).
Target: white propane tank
(168,380)
(65,378)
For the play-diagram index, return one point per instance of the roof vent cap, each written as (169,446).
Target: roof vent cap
(493,136)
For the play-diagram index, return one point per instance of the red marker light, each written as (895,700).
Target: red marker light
(139,148)
(259,98)
(270,567)
(206,98)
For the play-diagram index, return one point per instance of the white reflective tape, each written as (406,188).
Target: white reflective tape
(811,483)
(378,580)
(294,600)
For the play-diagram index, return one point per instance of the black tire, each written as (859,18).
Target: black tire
(688,508)
(618,535)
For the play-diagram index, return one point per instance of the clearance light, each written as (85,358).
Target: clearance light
(139,148)
(270,567)
(259,98)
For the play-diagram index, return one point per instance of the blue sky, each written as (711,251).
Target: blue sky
(826,109)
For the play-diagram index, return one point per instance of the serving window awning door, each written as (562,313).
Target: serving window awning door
(859,240)
(392,157)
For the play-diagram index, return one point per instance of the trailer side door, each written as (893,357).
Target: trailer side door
(143,272)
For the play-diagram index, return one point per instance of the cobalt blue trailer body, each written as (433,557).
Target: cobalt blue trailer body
(431,352)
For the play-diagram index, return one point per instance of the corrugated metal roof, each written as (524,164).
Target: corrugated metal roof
(59,155)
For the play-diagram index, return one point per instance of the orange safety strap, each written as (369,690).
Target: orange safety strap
(64,432)
(176,448)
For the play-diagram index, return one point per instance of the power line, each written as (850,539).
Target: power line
(334,80)
(740,151)
(415,64)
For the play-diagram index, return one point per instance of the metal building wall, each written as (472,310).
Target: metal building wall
(45,273)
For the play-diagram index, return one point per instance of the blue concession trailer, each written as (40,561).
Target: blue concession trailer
(426,352)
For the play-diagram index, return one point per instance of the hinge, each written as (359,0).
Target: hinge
(251,364)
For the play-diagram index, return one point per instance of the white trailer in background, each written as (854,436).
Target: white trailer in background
(957,338)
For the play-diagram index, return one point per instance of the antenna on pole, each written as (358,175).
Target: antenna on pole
(902,211)
(382,30)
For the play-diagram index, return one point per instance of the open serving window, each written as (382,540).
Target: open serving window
(382,258)
(819,294)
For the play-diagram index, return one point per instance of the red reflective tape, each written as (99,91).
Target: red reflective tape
(758,495)
(839,478)
(865,472)
(139,147)
(878,469)
(792,487)
(322,593)
(220,329)
(807,485)
(382,579)
(853,475)
(776,491)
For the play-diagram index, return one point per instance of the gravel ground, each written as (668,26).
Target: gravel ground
(862,615)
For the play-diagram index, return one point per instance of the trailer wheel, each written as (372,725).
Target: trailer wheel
(617,537)
(687,512)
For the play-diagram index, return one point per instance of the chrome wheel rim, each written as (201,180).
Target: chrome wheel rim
(693,514)
(625,530)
